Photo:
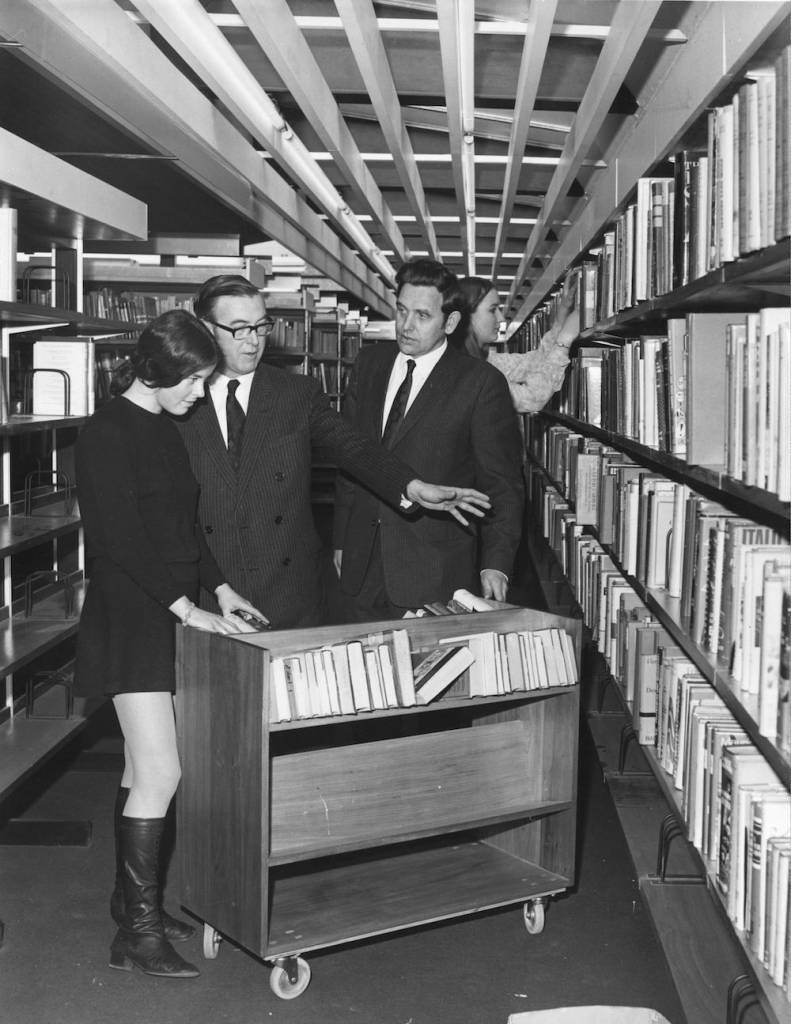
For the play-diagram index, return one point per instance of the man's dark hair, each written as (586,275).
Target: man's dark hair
(215,288)
(427,273)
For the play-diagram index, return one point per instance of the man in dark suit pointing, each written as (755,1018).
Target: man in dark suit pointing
(451,417)
(250,443)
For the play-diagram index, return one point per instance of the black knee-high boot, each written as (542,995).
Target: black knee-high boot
(140,941)
(175,930)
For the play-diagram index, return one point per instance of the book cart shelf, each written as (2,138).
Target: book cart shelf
(315,832)
(718,976)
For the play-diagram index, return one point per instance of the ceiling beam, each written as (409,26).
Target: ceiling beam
(496,128)
(456,40)
(277,33)
(533,56)
(628,29)
(91,207)
(187,28)
(324,24)
(96,51)
(359,20)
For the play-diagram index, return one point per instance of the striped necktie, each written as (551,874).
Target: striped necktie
(235,419)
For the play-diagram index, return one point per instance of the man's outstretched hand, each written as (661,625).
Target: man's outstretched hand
(456,500)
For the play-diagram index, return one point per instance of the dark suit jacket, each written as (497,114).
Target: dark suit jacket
(258,522)
(461,429)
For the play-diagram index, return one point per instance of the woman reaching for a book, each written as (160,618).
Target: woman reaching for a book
(147,560)
(534,376)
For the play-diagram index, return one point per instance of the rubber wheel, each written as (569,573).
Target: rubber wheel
(280,982)
(211,942)
(534,917)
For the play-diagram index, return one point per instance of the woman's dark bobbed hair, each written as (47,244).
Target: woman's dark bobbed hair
(173,346)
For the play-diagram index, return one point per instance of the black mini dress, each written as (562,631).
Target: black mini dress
(138,502)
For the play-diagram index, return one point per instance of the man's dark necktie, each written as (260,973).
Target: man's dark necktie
(235,419)
(398,408)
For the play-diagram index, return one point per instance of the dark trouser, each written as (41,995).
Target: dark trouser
(372,603)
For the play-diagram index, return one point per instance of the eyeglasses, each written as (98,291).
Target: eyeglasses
(245,331)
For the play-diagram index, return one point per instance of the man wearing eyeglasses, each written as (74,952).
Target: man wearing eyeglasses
(250,447)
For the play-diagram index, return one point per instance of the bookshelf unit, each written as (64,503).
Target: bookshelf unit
(288,840)
(287,345)
(51,205)
(718,974)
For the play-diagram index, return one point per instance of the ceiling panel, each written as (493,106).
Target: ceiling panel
(359,196)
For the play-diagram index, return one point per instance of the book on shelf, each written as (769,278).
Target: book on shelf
(749,601)
(374,676)
(784,677)
(768,817)
(776,954)
(686,165)
(706,387)
(372,672)
(740,767)
(439,669)
(782,225)
(62,367)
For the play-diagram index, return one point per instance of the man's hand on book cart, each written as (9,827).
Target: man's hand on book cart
(456,500)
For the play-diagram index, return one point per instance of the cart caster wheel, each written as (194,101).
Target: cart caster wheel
(534,917)
(211,942)
(283,986)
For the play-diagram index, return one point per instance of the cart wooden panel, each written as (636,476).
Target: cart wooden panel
(314,832)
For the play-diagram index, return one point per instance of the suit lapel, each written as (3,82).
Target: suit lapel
(210,439)
(380,378)
(261,415)
(439,382)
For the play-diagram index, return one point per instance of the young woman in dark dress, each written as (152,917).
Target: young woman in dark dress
(147,560)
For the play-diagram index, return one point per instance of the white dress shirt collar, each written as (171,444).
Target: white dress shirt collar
(218,392)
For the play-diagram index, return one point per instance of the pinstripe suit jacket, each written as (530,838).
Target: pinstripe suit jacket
(258,522)
(461,429)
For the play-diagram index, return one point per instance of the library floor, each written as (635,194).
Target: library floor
(598,946)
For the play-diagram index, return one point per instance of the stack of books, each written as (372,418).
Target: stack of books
(378,672)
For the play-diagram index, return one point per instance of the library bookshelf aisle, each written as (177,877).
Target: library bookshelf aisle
(313,339)
(661,479)
(290,837)
(48,201)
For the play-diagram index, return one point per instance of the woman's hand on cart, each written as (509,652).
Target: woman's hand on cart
(238,611)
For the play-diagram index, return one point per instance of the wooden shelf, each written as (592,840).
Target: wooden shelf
(29,424)
(284,353)
(180,279)
(24,639)
(20,532)
(26,742)
(334,905)
(322,357)
(743,705)
(436,707)
(681,911)
(22,314)
(756,504)
(744,285)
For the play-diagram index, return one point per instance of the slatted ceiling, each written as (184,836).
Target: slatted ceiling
(334,97)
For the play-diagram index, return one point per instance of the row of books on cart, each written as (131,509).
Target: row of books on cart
(378,671)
